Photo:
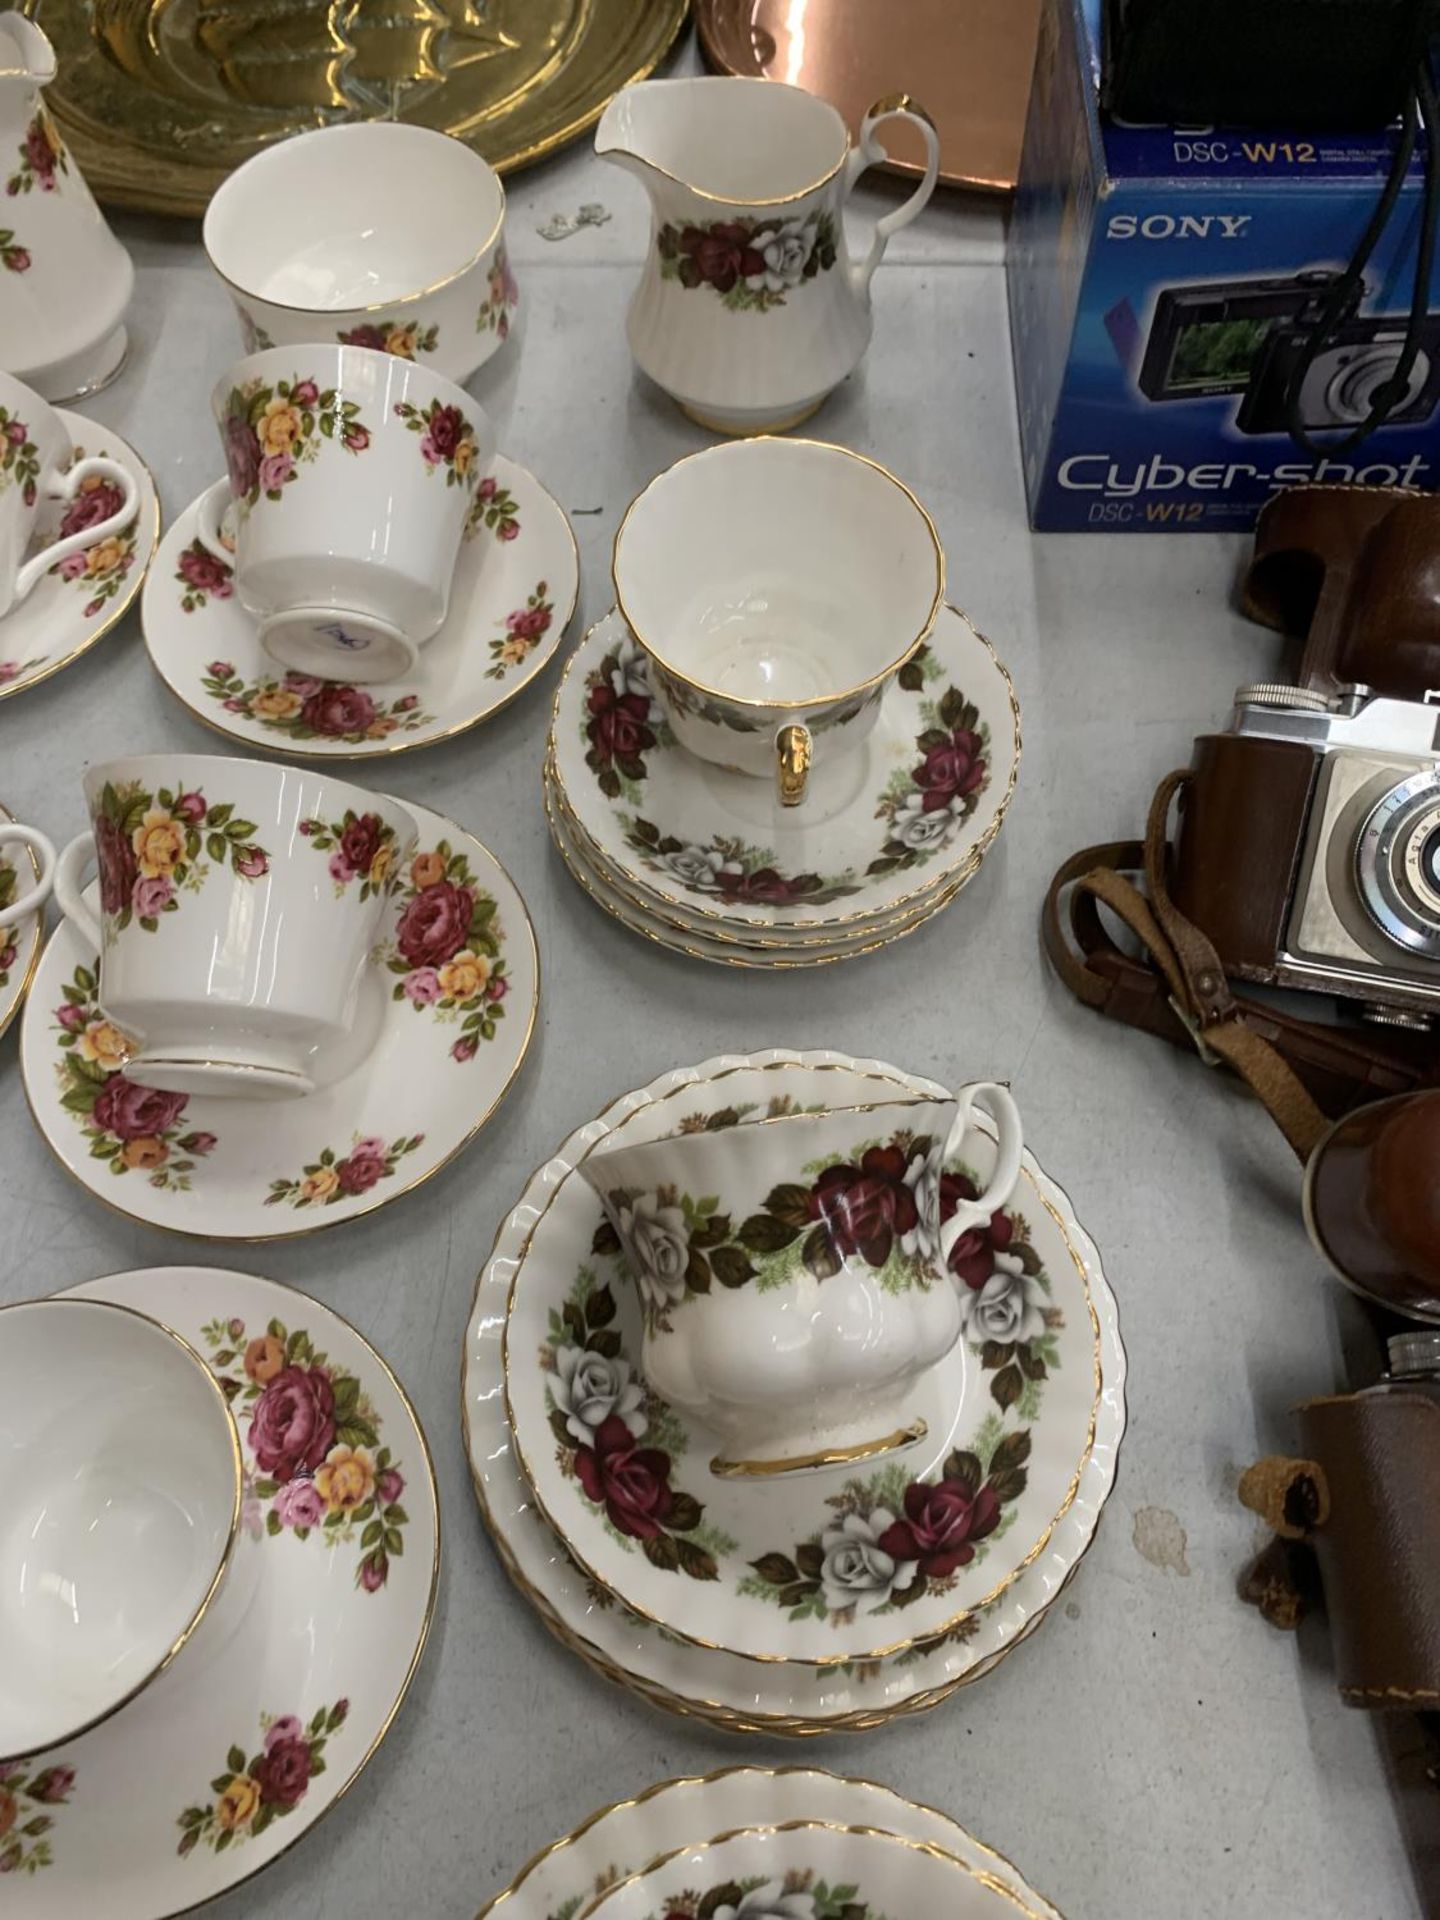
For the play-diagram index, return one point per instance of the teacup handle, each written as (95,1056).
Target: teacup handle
(794,752)
(69,880)
(44,851)
(210,520)
(65,486)
(868,152)
(1000,1105)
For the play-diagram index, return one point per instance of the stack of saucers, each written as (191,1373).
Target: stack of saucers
(782,747)
(787,1844)
(656,1537)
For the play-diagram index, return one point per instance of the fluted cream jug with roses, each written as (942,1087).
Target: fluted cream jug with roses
(750,309)
(798,1272)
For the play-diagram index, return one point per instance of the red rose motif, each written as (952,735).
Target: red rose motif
(764,885)
(374,1571)
(191,807)
(360,842)
(619,726)
(359,1172)
(201,569)
(293,1425)
(632,1483)
(132,1112)
(941,1525)
(356,437)
(864,1207)
(242,455)
(972,1258)
(529,623)
(434,927)
(115,858)
(446,430)
(337,710)
(41,155)
(52,1787)
(304,393)
(88,509)
(364,336)
(950,772)
(283,1772)
(720,255)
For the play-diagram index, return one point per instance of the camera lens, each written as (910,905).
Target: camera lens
(1359,378)
(1397,864)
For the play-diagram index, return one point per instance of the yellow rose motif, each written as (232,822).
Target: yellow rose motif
(147,1152)
(345,1478)
(159,842)
(236,1805)
(280,426)
(378,729)
(264,1358)
(276,703)
(380,866)
(106,555)
(465,975)
(514,650)
(401,342)
(464,457)
(426,870)
(105,1044)
(320,1184)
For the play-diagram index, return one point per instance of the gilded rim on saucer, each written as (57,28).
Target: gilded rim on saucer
(388,1197)
(231,1536)
(818,922)
(991,1882)
(796,1774)
(781,708)
(676,1084)
(221,1274)
(126,598)
(758,963)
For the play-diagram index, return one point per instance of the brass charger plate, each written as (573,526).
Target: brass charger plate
(161,99)
(967,62)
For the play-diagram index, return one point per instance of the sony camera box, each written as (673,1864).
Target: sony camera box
(1163,286)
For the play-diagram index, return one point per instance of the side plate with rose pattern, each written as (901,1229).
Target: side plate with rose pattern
(206,1779)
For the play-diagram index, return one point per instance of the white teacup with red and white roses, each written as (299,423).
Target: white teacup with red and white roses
(36,465)
(796,1273)
(351,478)
(239,903)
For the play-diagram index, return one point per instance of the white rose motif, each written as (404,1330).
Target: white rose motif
(922,1176)
(657,1243)
(922,832)
(786,251)
(588,1388)
(696,867)
(856,1567)
(1010,1305)
(770,1902)
(631,673)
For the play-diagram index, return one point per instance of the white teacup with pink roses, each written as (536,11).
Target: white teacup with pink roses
(238,906)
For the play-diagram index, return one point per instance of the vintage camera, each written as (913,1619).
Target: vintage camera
(1206,338)
(1309,846)
(1345,378)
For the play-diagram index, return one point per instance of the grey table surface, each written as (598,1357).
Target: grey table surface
(1156,1749)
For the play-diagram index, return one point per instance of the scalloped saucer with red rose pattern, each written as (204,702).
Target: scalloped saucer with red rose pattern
(245,1743)
(512,597)
(83,598)
(549,1242)
(891,824)
(445,1015)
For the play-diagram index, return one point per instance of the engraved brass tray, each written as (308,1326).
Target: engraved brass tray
(160,99)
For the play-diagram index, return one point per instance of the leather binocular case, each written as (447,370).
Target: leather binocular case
(1366,1500)
(1372,1202)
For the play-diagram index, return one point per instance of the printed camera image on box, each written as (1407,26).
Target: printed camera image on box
(1164,286)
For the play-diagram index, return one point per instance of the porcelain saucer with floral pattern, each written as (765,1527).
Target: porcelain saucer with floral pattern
(550,1241)
(842,1564)
(83,598)
(710,942)
(19,944)
(446,1012)
(618,1841)
(513,594)
(903,816)
(208,1777)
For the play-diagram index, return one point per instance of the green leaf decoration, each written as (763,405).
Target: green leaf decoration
(763,1233)
(662,1552)
(964,1468)
(1007,1386)
(820,1256)
(696,1562)
(685,1513)
(600,1304)
(776,1569)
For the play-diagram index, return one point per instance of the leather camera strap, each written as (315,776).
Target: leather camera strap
(1179,990)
